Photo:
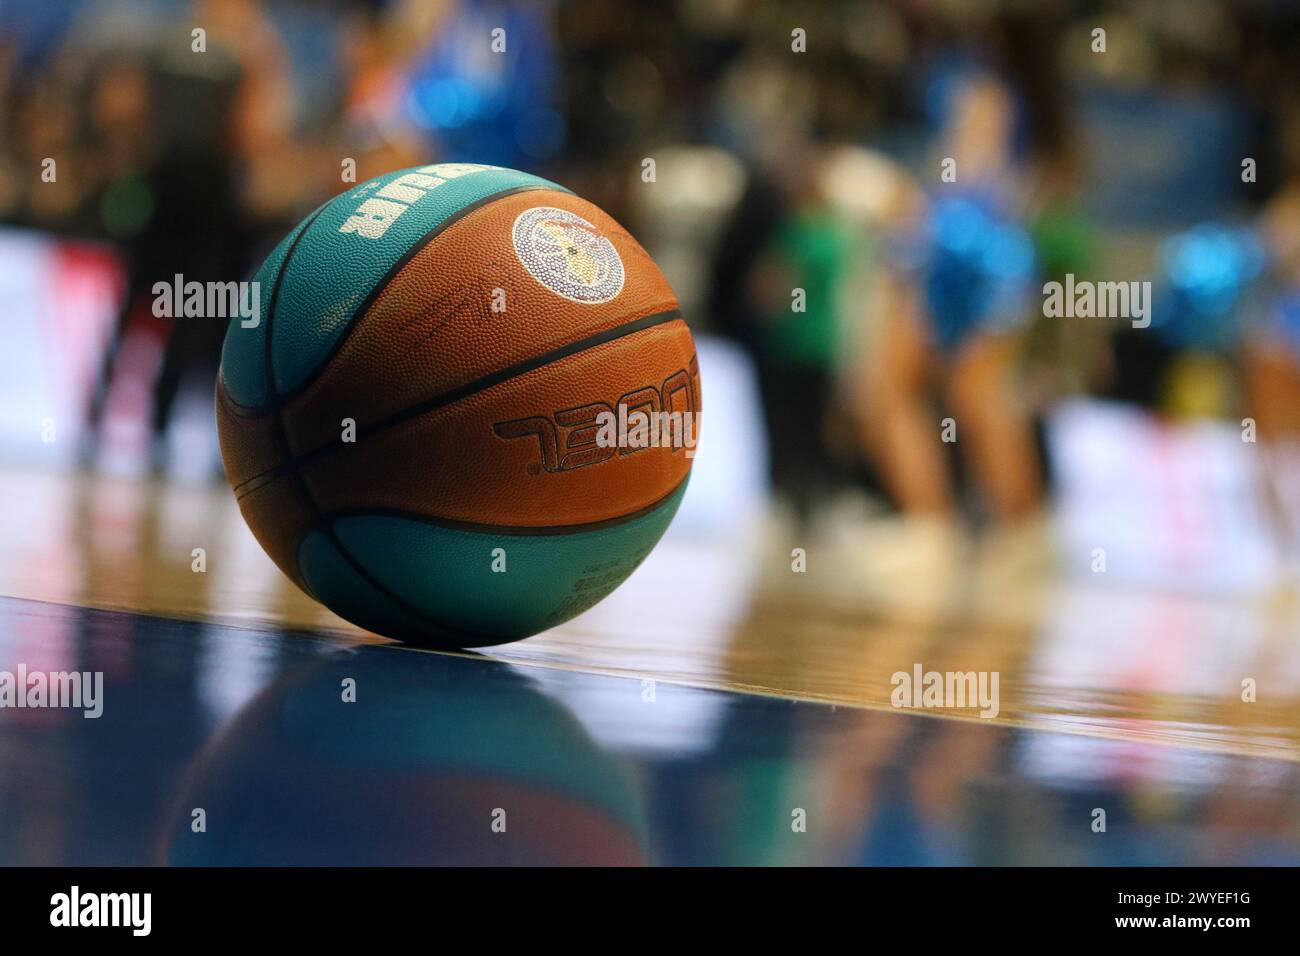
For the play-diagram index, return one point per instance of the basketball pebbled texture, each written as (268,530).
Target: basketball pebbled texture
(472,422)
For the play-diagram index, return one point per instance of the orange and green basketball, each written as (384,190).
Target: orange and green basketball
(412,424)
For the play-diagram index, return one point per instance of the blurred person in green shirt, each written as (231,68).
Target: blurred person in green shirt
(796,285)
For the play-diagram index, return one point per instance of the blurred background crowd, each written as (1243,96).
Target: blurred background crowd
(796,146)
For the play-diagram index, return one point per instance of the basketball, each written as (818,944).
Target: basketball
(466,409)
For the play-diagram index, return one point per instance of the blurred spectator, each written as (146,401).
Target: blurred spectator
(796,283)
(961,289)
(1271,356)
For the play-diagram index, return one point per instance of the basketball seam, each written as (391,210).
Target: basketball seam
(270,310)
(467,390)
(508,530)
(278,436)
(282,442)
(490,639)
(268,349)
(381,284)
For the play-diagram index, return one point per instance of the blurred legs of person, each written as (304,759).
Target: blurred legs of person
(796,402)
(902,427)
(808,255)
(1271,356)
(1272,384)
(991,427)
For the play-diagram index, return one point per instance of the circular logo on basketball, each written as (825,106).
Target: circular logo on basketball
(566,254)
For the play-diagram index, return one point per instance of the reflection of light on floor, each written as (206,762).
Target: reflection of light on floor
(38,525)
(1166,665)
(669,720)
(38,643)
(232,671)
(1070,761)
(1188,646)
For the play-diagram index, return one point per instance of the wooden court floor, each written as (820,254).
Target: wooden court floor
(729,614)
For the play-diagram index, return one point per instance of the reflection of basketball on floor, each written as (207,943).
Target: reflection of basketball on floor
(427,765)
(413,428)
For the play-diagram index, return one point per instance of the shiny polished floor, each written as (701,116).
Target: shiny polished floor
(717,709)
